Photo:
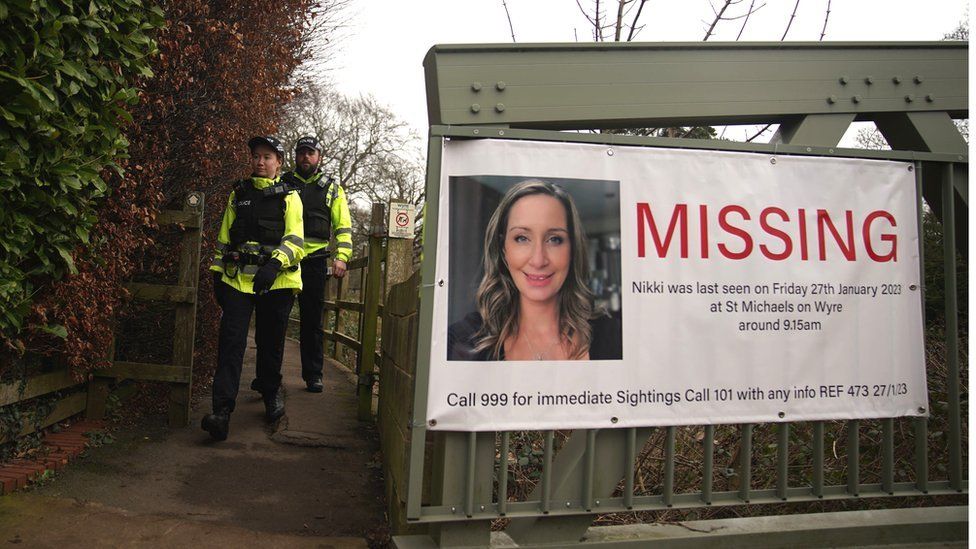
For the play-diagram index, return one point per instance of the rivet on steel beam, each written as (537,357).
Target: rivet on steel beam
(475,107)
(832,99)
(568,505)
(917,79)
(930,98)
(476,86)
(842,80)
(476,132)
(856,99)
(896,79)
(500,107)
(909,98)
(869,80)
(596,502)
(453,510)
(809,149)
(501,132)
(500,85)
(482,507)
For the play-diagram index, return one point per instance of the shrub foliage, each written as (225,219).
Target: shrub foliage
(66,75)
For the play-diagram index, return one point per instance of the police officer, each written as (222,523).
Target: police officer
(256,268)
(326,215)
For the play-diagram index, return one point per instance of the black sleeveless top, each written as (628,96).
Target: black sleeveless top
(605,339)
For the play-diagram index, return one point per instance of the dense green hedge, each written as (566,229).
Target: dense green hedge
(67,73)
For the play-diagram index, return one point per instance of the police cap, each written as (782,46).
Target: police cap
(308,142)
(268,140)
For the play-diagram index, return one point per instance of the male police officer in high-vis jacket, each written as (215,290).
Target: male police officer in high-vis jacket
(326,215)
(256,269)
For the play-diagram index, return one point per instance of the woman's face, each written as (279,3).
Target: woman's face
(537,247)
(264,161)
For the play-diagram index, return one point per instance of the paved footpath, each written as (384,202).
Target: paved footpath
(311,481)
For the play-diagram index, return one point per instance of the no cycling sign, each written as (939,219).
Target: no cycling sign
(401,220)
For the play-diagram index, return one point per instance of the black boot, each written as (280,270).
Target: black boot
(255,386)
(217,424)
(314,385)
(274,405)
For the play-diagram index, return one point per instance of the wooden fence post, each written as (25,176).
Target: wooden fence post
(371,301)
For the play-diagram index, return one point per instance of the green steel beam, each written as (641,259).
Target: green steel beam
(934,132)
(825,130)
(576,86)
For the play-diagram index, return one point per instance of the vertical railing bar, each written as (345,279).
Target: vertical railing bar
(709,451)
(589,461)
(547,473)
(503,474)
(782,460)
(669,467)
(818,458)
(745,462)
(470,474)
(922,454)
(853,456)
(951,326)
(631,456)
(888,457)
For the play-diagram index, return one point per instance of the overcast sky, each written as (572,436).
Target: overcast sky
(386,42)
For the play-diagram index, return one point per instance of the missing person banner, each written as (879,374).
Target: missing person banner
(595,286)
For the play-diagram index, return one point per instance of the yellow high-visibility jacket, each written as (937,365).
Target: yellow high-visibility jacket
(338,208)
(290,251)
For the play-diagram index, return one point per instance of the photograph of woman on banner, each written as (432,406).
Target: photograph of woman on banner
(534,301)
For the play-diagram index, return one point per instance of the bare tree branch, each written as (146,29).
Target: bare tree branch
(790,23)
(760,132)
(621,4)
(633,24)
(509,16)
(718,17)
(826,18)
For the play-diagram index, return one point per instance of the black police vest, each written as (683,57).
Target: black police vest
(317,205)
(260,214)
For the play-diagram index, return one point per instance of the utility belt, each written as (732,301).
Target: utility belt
(246,258)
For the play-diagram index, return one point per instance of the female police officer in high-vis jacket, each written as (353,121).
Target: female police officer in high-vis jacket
(256,268)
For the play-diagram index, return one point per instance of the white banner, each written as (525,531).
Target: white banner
(724,288)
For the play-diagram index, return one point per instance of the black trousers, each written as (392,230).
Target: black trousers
(311,302)
(270,323)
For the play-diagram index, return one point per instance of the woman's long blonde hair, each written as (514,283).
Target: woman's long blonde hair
(498,297)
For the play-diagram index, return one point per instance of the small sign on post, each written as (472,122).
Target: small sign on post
(401,220)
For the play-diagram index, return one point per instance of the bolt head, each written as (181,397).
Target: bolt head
(917,79)
(869,80)
(843,80)
(475,107)
(832,99)
(896,79)
(499,107)
(856,99)
(500,85)
(909,98)
(930,98)
(476,86)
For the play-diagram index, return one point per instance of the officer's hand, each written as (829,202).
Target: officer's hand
(339,268)
(265,276)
